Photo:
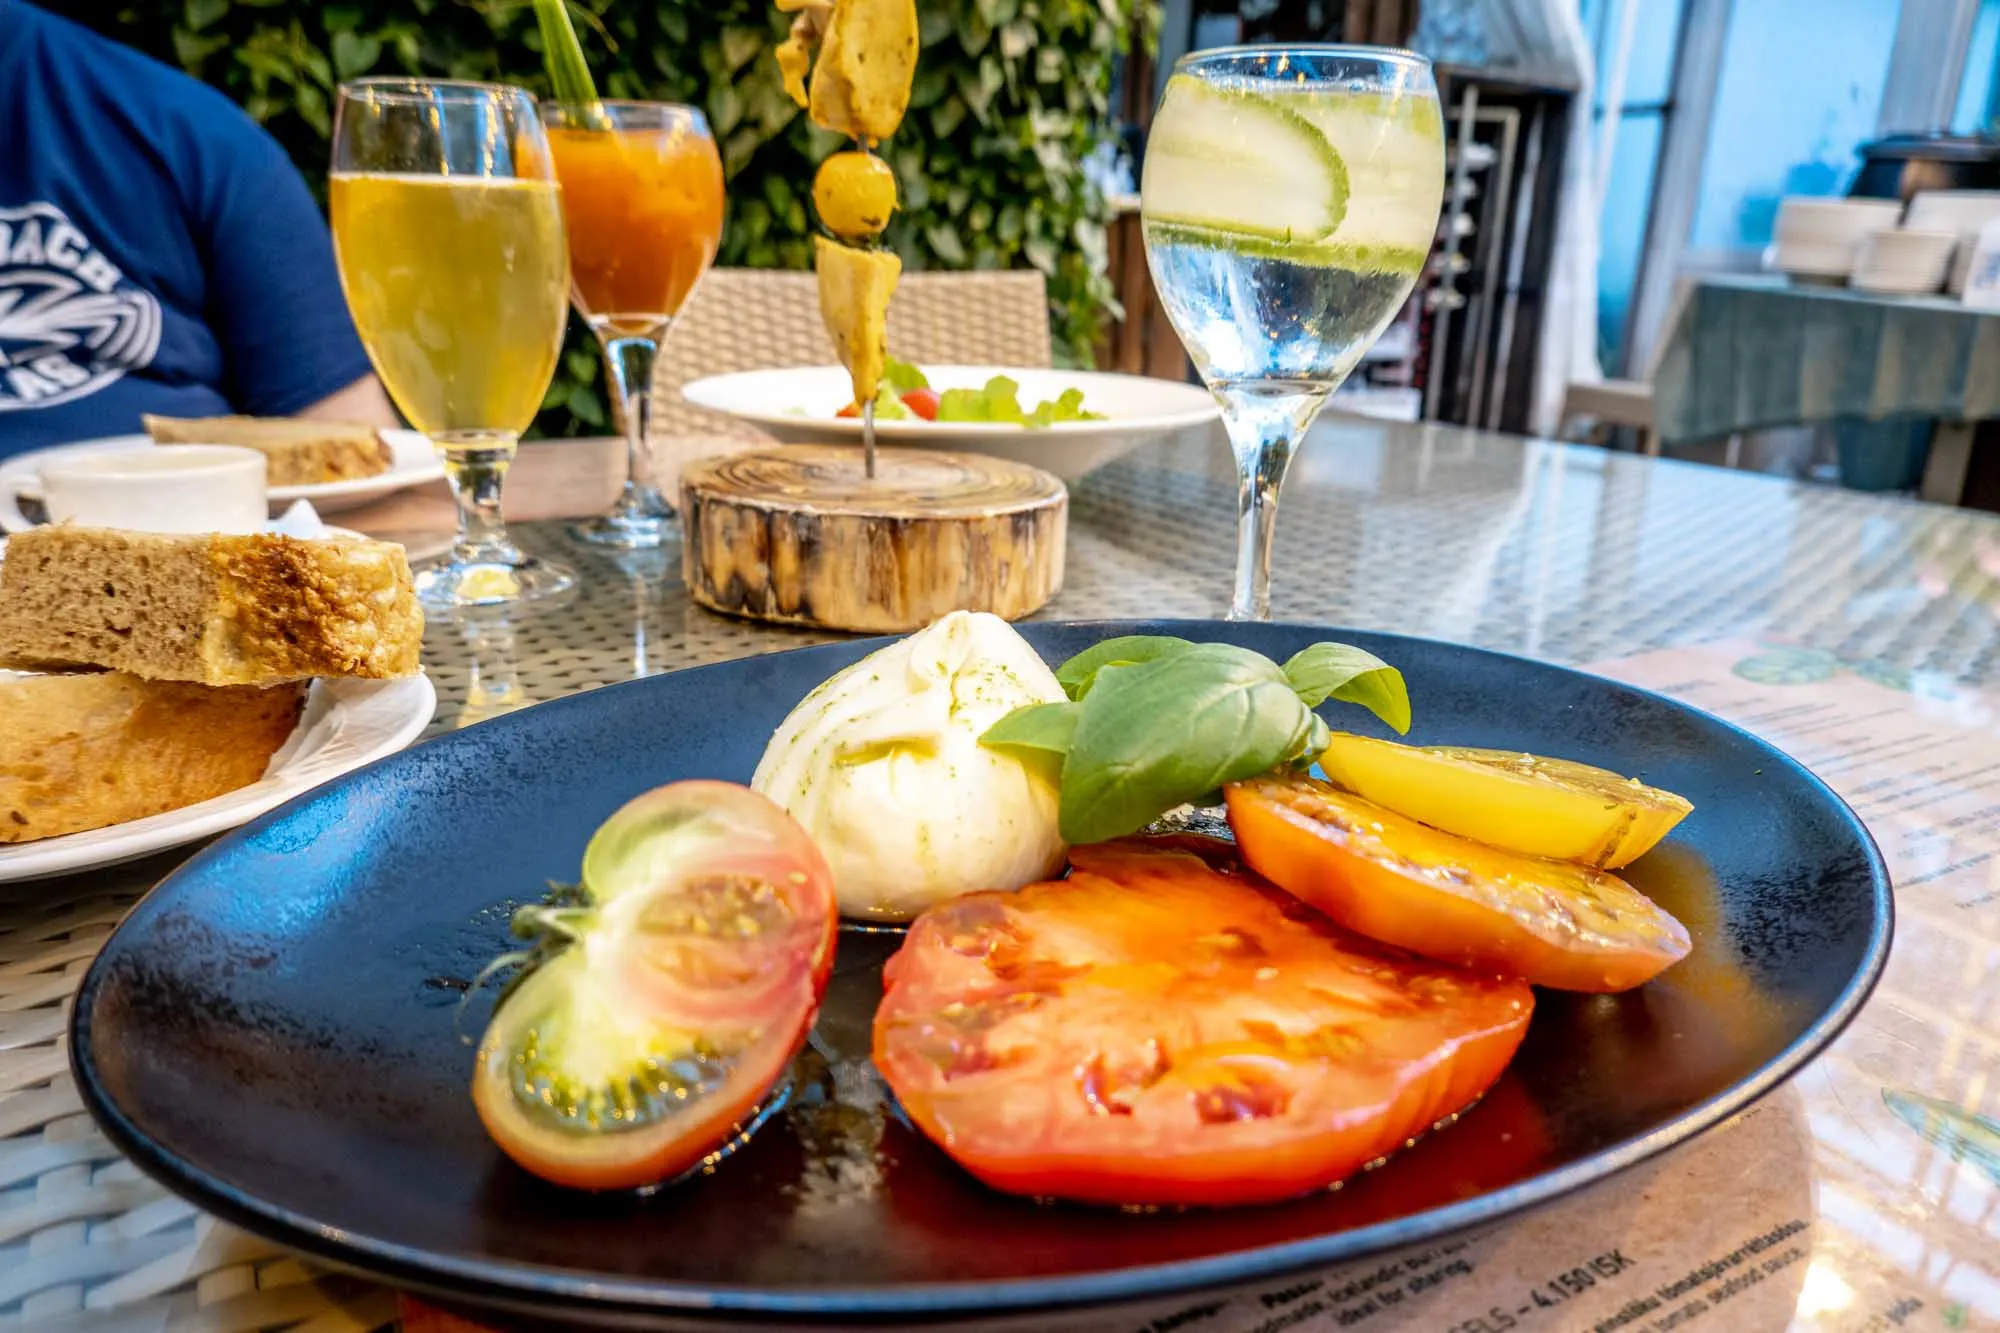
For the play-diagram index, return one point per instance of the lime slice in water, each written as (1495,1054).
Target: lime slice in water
(1232,161)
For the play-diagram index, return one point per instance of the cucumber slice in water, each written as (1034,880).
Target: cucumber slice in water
(1236,162)
(1394,147)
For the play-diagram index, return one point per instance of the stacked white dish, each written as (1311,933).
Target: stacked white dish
(1904,261)
(1820,239)
(1960,211)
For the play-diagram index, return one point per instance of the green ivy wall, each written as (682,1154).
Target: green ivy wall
(1011,96)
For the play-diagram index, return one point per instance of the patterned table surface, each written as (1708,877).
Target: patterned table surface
(1557,552)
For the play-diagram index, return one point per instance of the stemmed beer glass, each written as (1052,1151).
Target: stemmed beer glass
(448,229)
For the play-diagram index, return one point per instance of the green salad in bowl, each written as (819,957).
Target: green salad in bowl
(907,395)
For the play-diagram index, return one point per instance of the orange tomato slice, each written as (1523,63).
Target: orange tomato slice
(1393,879)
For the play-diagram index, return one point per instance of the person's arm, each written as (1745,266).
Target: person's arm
(273,295)
(363,402)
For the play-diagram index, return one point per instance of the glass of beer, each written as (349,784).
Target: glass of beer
(448,228)
(642,198)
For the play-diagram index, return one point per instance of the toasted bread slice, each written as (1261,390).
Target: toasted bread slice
(216,608)
(85,751)
(299,453)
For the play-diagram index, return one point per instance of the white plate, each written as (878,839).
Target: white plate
(347,723)
(798,404)
(416,462)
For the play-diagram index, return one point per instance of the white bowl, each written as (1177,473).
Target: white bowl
(1810,259)
(1905,261)
(1834,221)
(1962,211)
(169,488)
(798,404)
(1953,210)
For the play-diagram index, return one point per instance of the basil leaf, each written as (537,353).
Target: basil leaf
(1153,735)
(1315,745)
(1341,671)
(1044,727)
(1077,674)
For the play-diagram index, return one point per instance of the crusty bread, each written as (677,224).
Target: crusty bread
(299,453)
(217,608)
(83,751)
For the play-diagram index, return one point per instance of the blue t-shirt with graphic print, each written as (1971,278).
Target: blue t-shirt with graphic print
(158,251)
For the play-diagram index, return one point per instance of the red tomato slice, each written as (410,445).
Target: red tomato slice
(851,410)
(696,968)
(923,402)
(1561,925)
(1160,1028)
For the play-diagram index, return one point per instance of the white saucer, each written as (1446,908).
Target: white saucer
(416,462)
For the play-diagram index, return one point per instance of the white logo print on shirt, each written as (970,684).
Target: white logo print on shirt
(69,321)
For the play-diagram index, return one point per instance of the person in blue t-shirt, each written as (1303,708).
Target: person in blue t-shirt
(158,252)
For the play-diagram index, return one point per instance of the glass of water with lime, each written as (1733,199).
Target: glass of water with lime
(1290,198)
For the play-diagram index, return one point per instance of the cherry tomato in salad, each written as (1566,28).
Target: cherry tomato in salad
(922,402)
(698,956)
(1390,878)
(1163,1027)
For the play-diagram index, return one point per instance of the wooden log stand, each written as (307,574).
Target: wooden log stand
(799,535)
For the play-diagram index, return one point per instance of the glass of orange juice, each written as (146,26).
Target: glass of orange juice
(642,199)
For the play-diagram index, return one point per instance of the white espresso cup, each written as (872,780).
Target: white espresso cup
(161,488)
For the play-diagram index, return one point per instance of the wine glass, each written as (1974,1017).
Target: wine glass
(642,194)
(1289,201)
(448,229)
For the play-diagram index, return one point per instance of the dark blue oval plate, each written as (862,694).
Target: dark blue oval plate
(271,1032)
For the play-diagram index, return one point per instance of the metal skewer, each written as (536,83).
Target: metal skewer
(868,437)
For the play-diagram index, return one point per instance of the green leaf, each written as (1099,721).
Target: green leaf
(1153,735)
(929,86)
(313,110)
(948,116)
(725,110)
(191,49)
(1068,406)
(933,26)
(902,376)
(201,13)
(974,32)
(1077,674)
(354,54)
(1016,40)
(1340,671)
(944,243)
(888,406)
(999,400)
(739,46)
(1045,727)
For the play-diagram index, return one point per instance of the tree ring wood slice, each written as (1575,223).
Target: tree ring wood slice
(799,535)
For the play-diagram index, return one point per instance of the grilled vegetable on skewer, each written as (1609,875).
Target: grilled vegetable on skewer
(859,86)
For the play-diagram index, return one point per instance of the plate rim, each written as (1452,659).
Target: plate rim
(536,1288)
(1187,418)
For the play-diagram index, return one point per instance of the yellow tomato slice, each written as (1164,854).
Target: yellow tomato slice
(1524,803)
